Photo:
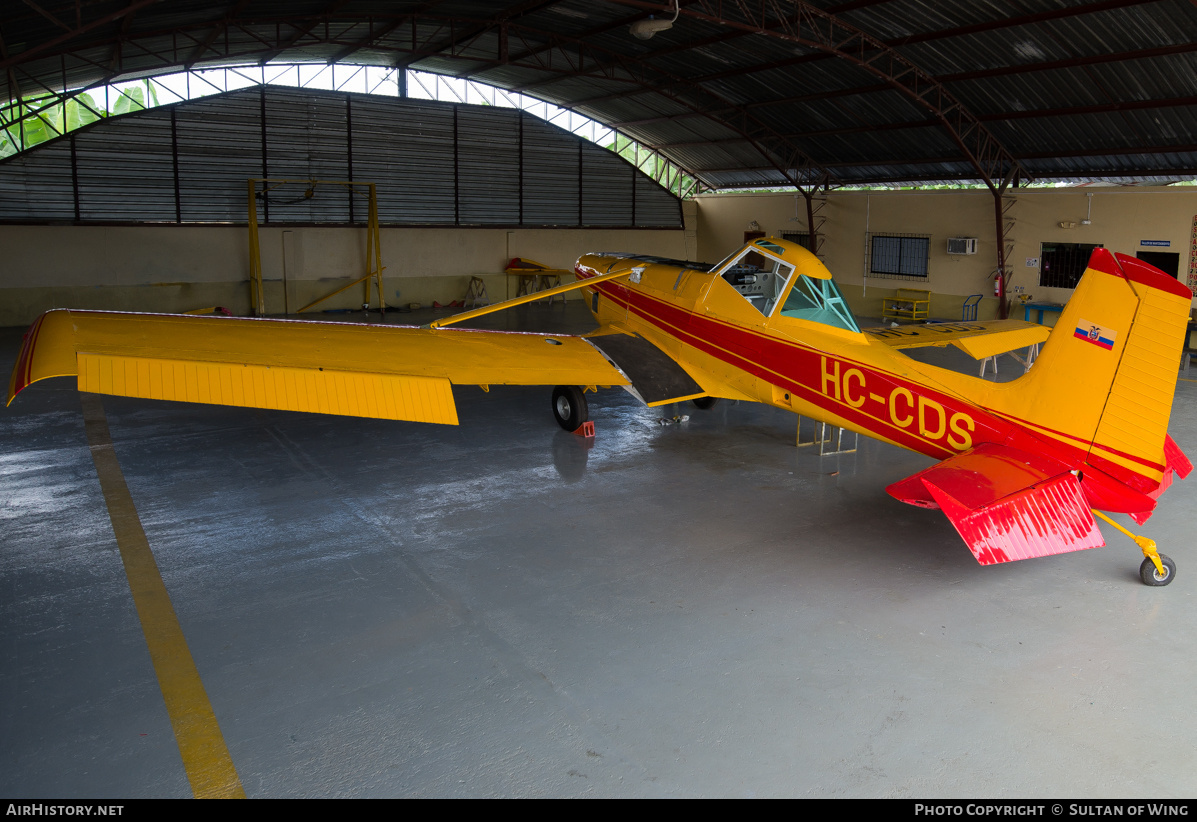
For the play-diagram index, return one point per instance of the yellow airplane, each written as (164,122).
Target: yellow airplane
(1024,466)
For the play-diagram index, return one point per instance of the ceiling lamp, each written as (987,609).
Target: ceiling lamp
(644,29)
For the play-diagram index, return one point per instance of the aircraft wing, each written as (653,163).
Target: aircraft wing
(1007,504)
(387,372)
(977,339)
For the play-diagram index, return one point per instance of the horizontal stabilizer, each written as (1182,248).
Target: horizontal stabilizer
(977,339)
(1175,463)
(1006,504)
(1175,459)
(990,345)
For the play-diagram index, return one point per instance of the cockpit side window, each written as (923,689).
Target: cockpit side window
(758,278)
(819,301)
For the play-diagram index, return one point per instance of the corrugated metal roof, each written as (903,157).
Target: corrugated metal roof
(1053,81)
(433,163)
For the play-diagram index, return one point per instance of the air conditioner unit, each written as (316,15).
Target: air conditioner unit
(962,245)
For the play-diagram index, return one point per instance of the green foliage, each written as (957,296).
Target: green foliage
(669,176)
(54,120)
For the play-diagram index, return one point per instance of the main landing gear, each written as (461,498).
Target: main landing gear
(569,407)
(1157,569)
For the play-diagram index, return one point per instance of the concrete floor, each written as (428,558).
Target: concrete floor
(494,609)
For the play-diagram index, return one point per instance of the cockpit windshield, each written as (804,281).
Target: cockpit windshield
(764,274)
(759,278)
(819,301)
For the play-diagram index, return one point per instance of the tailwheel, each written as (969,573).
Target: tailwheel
(1152,576)
(569,407)
(1157,569)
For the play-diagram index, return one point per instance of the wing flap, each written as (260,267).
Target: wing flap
(380,396)
(1006,504)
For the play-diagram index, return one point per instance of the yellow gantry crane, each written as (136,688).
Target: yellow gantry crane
(374,266)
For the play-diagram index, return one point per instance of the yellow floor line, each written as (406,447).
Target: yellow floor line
(205,756)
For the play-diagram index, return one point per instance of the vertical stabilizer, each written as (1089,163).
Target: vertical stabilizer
(1105,380)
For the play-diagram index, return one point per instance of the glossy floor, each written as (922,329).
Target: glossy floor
(497,609)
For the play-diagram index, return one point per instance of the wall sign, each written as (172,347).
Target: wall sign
(1193,258)
(1156,243)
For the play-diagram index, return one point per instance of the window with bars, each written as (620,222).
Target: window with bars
(1062,264)
(801,238)
(899,256)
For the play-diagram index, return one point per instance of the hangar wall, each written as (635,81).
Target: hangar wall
(181,268)
(1122,219)
(147,211)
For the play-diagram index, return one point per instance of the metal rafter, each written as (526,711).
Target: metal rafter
(481,42)
(582,57)
(789,159)
(478,28)
(935,161)
(381,32)
(33,51)
(1022,114)
(217,30)
(930,36)
(303,30)
(15,93)
(872,88)
(46,14)
(799,22)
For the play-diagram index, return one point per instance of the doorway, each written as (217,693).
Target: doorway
(1165,261)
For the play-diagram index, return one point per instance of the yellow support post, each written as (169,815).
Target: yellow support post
(256,303)
(527,298)
(374,241)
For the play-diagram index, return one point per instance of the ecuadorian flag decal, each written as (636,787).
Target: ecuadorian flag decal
(1099,335)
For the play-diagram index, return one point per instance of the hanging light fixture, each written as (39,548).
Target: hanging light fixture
(645,29)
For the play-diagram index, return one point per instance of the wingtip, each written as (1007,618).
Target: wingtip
(21,372)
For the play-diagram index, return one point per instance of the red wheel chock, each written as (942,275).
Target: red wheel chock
(586,429)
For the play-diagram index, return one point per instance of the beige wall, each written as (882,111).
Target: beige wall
(1121,219)
(169,268)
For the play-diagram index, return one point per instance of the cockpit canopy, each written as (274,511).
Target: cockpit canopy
(780,278)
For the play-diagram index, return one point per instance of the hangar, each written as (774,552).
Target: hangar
(697,608)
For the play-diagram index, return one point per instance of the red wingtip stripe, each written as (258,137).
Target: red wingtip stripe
(1138,271)
(23,372)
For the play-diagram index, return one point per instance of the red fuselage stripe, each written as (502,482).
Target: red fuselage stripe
(784,363)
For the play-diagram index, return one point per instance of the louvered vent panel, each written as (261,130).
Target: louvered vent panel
(488,164)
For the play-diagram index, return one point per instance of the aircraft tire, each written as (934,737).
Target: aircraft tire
(569,407)
(705,403)
(1151,576)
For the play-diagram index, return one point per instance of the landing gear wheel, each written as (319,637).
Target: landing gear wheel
(569,407)
(705,403)
(1151,576)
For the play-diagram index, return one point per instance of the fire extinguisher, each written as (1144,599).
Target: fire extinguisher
(997,285)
